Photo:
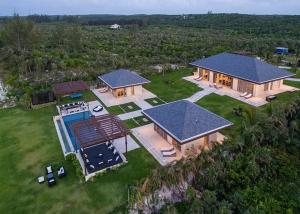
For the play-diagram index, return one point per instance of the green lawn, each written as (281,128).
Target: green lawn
(136,122)
(224,106)
(124,108)
(28,142)
(155,101)
(171,86)
(292,83)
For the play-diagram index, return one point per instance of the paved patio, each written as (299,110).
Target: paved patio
(254,101)
(120,144)
(95,103)
(109,100)
(153,142)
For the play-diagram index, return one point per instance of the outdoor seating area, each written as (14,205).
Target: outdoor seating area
(50,175)
(71,108)
(251,100)
(100,157)
(156,145)
(110,100)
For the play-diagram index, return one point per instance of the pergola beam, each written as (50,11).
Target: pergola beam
(100,129)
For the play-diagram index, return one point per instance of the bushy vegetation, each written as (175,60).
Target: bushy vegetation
(39,50)
(258,172)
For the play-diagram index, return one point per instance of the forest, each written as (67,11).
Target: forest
(38,50)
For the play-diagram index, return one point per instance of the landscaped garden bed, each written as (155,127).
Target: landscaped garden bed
(155,101)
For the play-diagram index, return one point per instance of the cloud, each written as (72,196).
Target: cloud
(25,7)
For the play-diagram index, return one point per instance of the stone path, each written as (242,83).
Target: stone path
(197,96)
(130,115)
(294,79)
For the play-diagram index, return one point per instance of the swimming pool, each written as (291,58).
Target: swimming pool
(69,119)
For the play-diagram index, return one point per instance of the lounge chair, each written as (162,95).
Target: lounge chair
(248,96)
(85,155)
(100,163)
(41,179)
(243,94)
(115,151)
(169,154)
(92,166)
(103,90)
(199,79)
(49,169)
(110,147)
(218,86)
(61,172)
(100,155)
(167,149)
(87,160)
(117,158)
(110,160)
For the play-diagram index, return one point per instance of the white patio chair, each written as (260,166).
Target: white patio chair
(248,96)
(243,94)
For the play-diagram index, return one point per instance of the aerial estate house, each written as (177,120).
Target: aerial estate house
(122,83)
(178,128)
(249,76)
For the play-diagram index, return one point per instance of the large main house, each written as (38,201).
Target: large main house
(240,73)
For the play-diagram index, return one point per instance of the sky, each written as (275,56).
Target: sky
(127,7)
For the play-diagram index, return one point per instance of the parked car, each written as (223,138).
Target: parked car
(98,108)
(51,179)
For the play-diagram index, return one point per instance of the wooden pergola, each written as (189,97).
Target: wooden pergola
(97,130)
(65,88)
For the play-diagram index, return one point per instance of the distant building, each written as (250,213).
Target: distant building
(115,26)
(282,51)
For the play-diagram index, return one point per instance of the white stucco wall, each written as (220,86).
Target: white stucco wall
(258,90)
(138,90)
(235,84)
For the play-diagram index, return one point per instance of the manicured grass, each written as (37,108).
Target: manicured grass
(295,71)
(155,101)
(171,86)
(224,106)
(129,107)
(136,122)
(116,110)
(130,123)
(142,120)
(124,108)
(292,83)
(28,142)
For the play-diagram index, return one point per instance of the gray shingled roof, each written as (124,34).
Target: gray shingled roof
(185,120)
(121,78)
(243,67)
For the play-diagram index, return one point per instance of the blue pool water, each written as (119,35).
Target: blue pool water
(68,120)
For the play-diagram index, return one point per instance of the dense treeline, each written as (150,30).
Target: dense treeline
(258,172)
(36,51)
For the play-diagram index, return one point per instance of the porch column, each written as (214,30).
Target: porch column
(211,76)
(126,143)
(235,84)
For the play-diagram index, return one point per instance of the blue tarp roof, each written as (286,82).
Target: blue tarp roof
(185,120)
(122,78)
(243,67)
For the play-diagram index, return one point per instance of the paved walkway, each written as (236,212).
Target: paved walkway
(143,104)
(293,79)
(130,115)
(197,96)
